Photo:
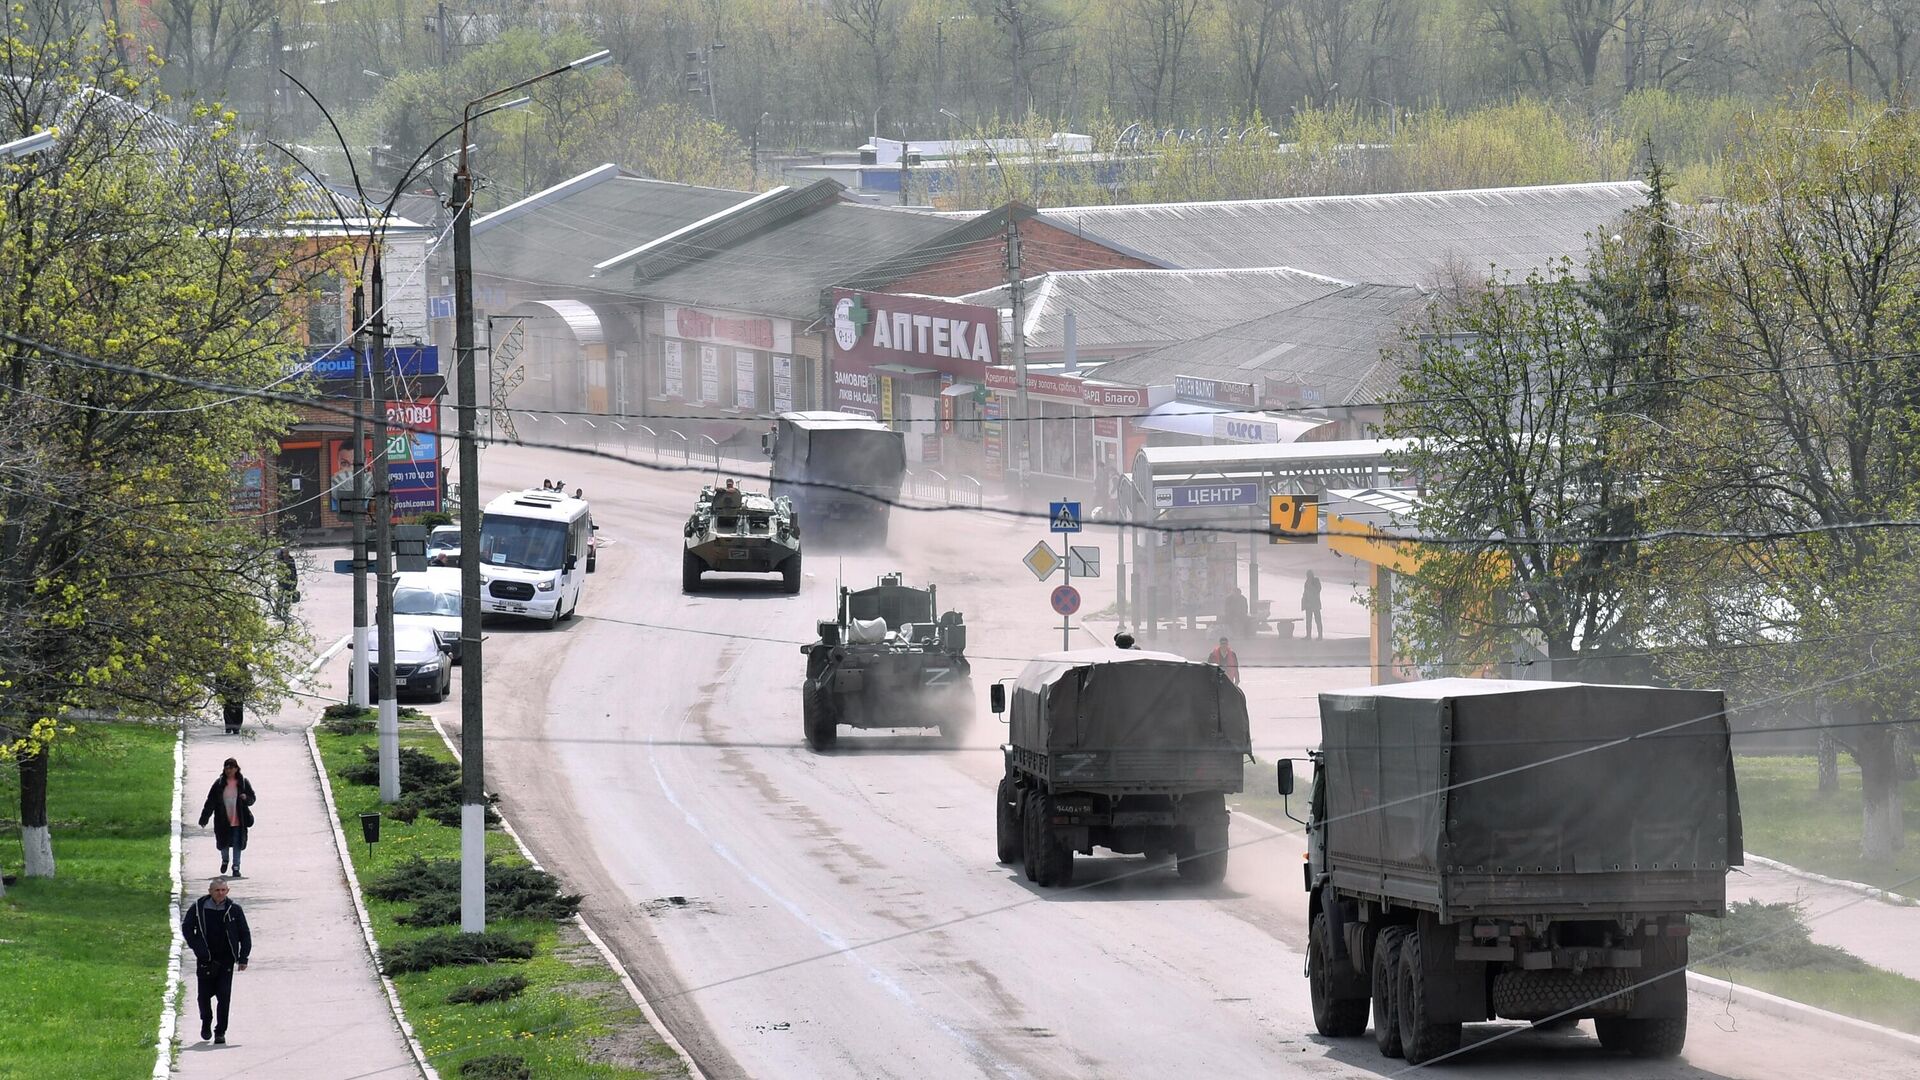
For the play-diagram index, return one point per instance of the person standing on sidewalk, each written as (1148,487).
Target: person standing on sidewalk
(1310,607)
(216,931)
(1224,658)
(229,806)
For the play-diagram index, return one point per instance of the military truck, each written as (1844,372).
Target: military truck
(755,535)
(886,660)
(843,471)
(1134,751)
(1527,850)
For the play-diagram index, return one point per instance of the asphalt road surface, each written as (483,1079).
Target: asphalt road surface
(798,915)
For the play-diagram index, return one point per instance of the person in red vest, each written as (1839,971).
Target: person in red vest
(1226,659)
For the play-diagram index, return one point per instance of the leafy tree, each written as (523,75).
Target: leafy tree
(127,585)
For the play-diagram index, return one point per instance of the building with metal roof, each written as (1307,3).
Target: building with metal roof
(1119,313)
(1411,238)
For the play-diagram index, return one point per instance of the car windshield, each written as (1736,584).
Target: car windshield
(447,539)
(522,542)
(425,602)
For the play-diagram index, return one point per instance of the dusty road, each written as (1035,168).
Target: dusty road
(797,915)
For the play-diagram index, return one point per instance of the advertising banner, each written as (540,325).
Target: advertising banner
(413,457)
(782,384)
(746,380)
(709,374)
(728,328)
(1212,391)
(881,328)
(856,392)
(673,371)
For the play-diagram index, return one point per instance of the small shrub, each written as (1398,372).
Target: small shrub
(481,993)
(454,949)
(1765,937)
(419,771)
(496,1067)
(514,891)
(347,719)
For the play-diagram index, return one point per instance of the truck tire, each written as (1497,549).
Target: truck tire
(790,575)
(690,568)
(1653,1037)
(1536,995)
(816,718)
(1341,1018)
(1052,859)
(1203,855)
(1386,977)
(1421,1039)
(1006,820)
(1029,837)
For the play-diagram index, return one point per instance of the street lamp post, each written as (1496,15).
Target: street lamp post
(473,796)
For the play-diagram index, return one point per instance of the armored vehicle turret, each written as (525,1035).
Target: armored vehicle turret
(889,658)
(741,532)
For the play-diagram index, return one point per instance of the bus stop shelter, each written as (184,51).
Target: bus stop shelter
(1192,509)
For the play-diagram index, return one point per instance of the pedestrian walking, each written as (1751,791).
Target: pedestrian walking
(287,590)
(232,687)
(1227,660)
(229,806)
(216,931)
(1310,607)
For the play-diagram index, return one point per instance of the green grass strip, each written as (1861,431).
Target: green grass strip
(83,955)
(574,1020)
(1787,818)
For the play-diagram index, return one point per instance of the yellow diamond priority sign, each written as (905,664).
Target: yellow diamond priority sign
(1042,561)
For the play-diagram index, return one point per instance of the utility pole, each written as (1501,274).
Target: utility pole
(362,683)
(440,20)
(473,794)
(389,724)
(1017,291)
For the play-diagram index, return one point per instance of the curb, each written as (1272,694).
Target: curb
(170,993)
(1860,887)
(1787,1009)
(353,881)
(626,979)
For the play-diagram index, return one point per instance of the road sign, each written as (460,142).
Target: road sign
(1066,599)
(1042,561)
(1293,519)
(1064,517)
(1083,561)
(343,566)
(1205,496)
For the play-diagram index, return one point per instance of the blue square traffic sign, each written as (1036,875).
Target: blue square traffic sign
(1063,517)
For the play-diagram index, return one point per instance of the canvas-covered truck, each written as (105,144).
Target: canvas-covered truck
(1525,850)
(740,532)
(889,658)
(843,472)
(1130,750)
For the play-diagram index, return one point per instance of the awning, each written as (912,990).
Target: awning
(903,369)
(960,389)
(1226,425)
(1181,418)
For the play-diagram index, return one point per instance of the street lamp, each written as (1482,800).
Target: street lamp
(473,796)
(26,144)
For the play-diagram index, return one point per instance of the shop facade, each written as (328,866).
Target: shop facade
(729,364)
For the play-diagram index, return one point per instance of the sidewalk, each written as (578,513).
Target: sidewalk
(310,1005)
(1884,935)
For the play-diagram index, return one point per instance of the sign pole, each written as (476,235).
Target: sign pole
(1066,621)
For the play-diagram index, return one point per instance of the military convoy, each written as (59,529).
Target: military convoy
(1130,750)
(1528,850)
(889,658)
(741,532)
(843,471)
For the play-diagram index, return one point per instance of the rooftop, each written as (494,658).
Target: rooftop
(1340,343)
(1412,238)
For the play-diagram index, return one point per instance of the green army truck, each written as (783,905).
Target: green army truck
(1130,750)
(1521,850)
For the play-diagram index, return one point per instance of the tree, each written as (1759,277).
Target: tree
(132,246)
(1160,31)
(875,26)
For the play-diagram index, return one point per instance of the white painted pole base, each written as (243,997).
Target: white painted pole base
(473,868)
(37,844)
(362,668)
(389,750)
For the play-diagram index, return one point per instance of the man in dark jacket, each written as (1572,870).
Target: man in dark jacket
(216,931)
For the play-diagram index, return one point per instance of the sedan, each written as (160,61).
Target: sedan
(421,667)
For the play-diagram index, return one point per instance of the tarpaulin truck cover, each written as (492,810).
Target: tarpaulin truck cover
(1134,711)
(1475,796)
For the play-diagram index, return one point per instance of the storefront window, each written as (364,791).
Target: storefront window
(1056,439)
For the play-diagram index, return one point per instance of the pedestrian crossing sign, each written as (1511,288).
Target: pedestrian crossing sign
(1064,517)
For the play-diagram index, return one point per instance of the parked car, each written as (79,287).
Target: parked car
(430,599)
(421,668)
(443,545)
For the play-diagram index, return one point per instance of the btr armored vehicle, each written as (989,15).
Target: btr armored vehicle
(1528,850)
(885,661)
(842,471)
(741,532)
(1131,750)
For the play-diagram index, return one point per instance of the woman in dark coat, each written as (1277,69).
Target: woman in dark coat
(229,806)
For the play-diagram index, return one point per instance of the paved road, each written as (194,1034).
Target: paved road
(797,915)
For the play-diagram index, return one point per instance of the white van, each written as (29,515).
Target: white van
(536,548)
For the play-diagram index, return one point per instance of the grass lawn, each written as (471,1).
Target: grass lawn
(1261,796)
(83,955)
(574,1020)
(1880,997)
(1786,818)
(1767,947)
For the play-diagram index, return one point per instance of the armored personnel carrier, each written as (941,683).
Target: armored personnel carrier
(741,532)
(887,660)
